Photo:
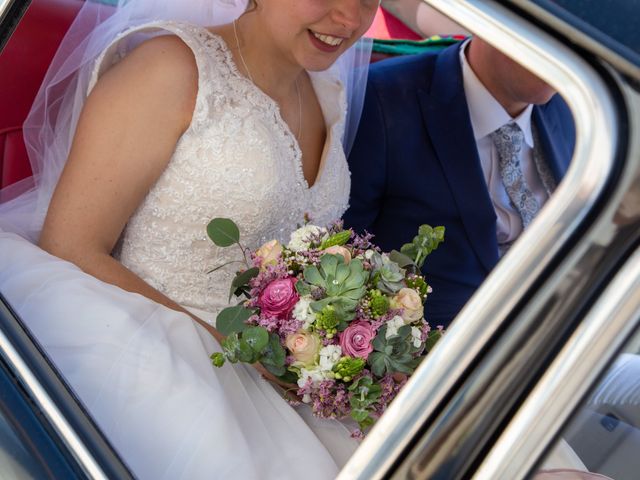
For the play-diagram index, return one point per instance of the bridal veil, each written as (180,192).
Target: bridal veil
(50,125)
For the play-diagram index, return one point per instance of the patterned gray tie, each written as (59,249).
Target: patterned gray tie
(508,140)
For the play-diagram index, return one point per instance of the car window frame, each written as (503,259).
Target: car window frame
(420,411)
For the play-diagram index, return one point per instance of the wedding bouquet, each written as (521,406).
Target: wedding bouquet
(332,314)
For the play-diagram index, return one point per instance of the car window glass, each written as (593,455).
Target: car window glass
(604,435)
(613,23)
(15,460)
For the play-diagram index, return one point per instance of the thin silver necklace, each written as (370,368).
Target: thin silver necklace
(246,68)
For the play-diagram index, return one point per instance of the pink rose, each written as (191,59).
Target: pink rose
(339,250)
(278,298)
(356,339)
(304,346)
(269,253)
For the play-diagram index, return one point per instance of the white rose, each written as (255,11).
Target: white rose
(393,325)
(411,304)
(302,311)
(416,334)
(329,356)
(300,239)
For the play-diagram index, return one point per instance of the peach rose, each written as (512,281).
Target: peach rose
(411,304)
(269,253)
(339,250)
(304,346)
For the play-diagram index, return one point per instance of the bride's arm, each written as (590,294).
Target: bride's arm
(125,137)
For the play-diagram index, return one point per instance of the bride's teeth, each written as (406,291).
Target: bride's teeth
(328,39)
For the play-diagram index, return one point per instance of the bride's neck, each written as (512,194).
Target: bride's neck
(273,70)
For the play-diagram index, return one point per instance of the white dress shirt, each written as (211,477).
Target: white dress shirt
(487,115)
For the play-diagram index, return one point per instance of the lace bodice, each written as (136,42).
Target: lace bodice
(238,159)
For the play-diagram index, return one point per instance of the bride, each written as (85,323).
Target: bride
(164,125)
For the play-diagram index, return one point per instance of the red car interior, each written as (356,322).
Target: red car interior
(23,64)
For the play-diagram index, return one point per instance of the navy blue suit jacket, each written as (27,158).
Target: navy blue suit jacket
(415,161)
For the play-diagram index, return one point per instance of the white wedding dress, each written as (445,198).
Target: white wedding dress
(142,370)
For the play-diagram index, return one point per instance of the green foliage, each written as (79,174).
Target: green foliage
(232,319)
(419,284)
(395,354)
(423,244)
(239,285)
(273,356)
(388,277)
(344,285)
(328,320)
(223,232)
(339,238)
(432,339)
(365,394)
(378,303)
(253,344)
(348,367)
(217,359)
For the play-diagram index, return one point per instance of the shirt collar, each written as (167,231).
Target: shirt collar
(487,115)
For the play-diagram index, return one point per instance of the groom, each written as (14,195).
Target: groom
(464,138)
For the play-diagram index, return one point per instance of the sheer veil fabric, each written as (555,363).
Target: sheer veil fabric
(142,370)
(50,126)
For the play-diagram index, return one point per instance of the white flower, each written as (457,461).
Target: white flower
(368,254)
(393,325)
(314,373)
(300,239)
(302,311)
(329,356)
(416,334)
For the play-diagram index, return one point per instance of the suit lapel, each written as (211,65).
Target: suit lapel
(554,154)
(446,116)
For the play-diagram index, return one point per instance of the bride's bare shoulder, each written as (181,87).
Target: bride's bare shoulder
(160,70)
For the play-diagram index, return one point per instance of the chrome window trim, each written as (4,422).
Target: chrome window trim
(50,410)
(607,327)
(4,7)
(596,130)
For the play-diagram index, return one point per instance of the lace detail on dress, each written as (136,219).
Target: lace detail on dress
(237,159)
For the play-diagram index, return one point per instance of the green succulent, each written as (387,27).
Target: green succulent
(387,275)
(343,285)
(394,354)
(347,368)
(378,303)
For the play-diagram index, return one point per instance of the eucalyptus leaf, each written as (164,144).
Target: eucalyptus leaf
(232,319)
(400,258)
(242,278)
(277,370)
(256,337)
(288,377)
(274,355)
(246,353)
(432,339)
(223,232)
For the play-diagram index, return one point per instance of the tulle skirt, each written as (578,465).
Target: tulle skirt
(144,374)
